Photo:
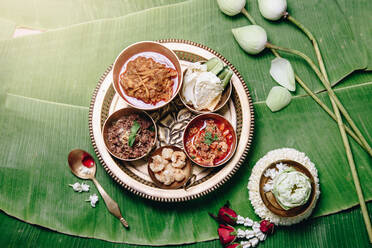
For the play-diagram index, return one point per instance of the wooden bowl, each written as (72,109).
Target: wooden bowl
(269,199)
(226,94)
(175,184)
(216,117)
(117,115)
(127,54)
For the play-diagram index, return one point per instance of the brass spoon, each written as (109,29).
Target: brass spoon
(76,160)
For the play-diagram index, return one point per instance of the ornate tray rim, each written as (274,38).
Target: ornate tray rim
(206,191)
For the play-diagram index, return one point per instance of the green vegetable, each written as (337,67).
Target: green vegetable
(225,76)
(133,132)
(214,65)
(208,139)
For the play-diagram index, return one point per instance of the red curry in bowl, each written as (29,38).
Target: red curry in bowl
(209,140)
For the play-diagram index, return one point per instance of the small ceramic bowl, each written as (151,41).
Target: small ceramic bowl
(269,199)
(218,118)
(175,185)
(117,115)
(225,97)
(148,49)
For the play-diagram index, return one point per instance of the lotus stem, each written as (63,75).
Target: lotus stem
(321,104)
(328,85)
(323,80)
(312,94)
(336,116)
(250,18)
(342,129)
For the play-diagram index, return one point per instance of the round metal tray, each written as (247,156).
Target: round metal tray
(171,120)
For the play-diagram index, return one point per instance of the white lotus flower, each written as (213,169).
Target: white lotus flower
(278,98)
(251,38)
(282,72)
(272,9)
(231,7)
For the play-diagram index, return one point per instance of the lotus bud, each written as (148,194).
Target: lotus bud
(251,38)
(272,9)
(227,234)
(278,98)
(282,72)
(231,7)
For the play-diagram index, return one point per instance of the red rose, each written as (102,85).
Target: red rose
(227,234)
(234,245)
(227,215)
(266,227)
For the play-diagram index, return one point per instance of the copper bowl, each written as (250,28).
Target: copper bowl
(175,184)
(225,97)
(269,200)
(218,118)
(137,48)
(117,115)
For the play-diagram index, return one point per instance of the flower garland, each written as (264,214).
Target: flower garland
(228,234)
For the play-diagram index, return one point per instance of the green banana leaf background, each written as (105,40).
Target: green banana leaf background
(48,79)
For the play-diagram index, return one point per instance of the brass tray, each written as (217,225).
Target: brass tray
(171,120)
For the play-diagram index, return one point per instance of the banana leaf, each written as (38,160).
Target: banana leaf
(339,230)
(6,29)
(108,38)
(51,14)
(359,16)
(47,83)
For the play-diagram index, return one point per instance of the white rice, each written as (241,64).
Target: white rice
(254,184)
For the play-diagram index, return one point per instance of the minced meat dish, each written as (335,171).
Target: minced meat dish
(131,136)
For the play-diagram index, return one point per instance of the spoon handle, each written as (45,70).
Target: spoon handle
(110,203)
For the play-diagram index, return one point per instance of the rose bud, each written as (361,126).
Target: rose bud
(227,215)
(234,245)
(227,234)
(267,227)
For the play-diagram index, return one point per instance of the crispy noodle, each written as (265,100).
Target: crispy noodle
(148,80)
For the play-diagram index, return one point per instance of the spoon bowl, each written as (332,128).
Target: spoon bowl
(82,164)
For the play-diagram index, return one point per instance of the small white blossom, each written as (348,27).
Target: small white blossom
(85,187)
(249,234)
(254,242)
(240,219)
(281,167)
(268,186)
(256,227)
(76,187)
(248,222)
(261,236)
(240,233)
(245,244)
(85,170)
(272,173)
(93,200)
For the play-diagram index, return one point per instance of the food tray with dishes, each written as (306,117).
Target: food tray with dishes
(171,120)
